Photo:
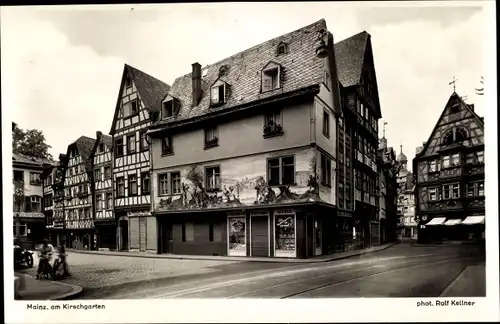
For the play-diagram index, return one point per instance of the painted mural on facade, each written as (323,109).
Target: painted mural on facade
(243,183)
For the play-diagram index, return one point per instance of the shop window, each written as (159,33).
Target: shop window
(285,235)
(237,236)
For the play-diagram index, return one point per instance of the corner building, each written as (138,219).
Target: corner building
(449,169)
(244,152)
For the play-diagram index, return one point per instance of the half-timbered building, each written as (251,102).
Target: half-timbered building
(138,101)
(358,180)
(244,152)
(47,177)
(78,209)
(104,220)
(449,170)
(56,227)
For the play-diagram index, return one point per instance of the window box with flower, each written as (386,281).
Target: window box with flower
(272,129)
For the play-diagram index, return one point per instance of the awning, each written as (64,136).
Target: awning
(436,221)
(451,222)
(472,220)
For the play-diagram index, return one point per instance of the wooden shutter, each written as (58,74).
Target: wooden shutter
(214,95)
(266,82)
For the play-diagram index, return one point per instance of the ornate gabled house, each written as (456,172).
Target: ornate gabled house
(28,217)
(47,178)
(244,153)
(104,220)
(449,171)
(138,103)
(358,140)
(79,220)
(56,223)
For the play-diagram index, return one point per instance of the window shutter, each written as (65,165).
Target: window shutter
(266,82)
(214,95)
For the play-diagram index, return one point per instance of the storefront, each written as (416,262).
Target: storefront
(274,232)
(106,234)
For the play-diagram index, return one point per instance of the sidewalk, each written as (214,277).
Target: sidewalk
(322,258)
(32,289)
(469,283)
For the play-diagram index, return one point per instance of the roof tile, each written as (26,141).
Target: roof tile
(349,55)
(301,67)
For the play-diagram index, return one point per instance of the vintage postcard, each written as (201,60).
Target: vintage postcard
(256,162)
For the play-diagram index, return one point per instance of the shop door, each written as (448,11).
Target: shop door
(259,236)
(318,237)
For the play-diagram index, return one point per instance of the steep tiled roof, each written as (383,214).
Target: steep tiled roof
(300,66)
(151,90)
(350,54)
(84,145)
(20,158)
(100,137)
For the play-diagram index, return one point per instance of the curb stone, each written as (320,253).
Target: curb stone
(75,289)
(201,258)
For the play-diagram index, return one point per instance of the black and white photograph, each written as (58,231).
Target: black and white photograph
(164,155)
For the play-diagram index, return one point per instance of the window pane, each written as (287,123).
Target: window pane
(480,189)
(288,174)
(285,232)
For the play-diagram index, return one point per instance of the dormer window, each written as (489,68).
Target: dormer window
(170,107)
(101,147)
(282,49)
(222,71)
(218,93)
(271,77)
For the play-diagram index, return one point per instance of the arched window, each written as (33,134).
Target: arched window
(454,135)
(460,134)
(447,138)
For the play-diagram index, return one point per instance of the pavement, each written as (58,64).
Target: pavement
(321,258)
(401,270)
(32,289)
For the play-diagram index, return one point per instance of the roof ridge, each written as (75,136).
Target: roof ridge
(322,20)
(147,74)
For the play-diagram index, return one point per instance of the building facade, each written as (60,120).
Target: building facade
(358,140)
(139,100)
(78,205)
(406,199)
(28,217)
(104,220)
(47,178)
(244,152)
(449,171)
(55,218)
(387,192)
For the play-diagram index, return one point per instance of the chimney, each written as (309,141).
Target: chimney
(196,85)
(98,134)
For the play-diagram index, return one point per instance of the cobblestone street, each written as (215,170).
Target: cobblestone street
(94,271)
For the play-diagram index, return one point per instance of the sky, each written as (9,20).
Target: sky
(62,65)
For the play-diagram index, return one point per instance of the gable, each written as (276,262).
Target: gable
(457,119)
(368,80)
(145,89)
(349,56)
